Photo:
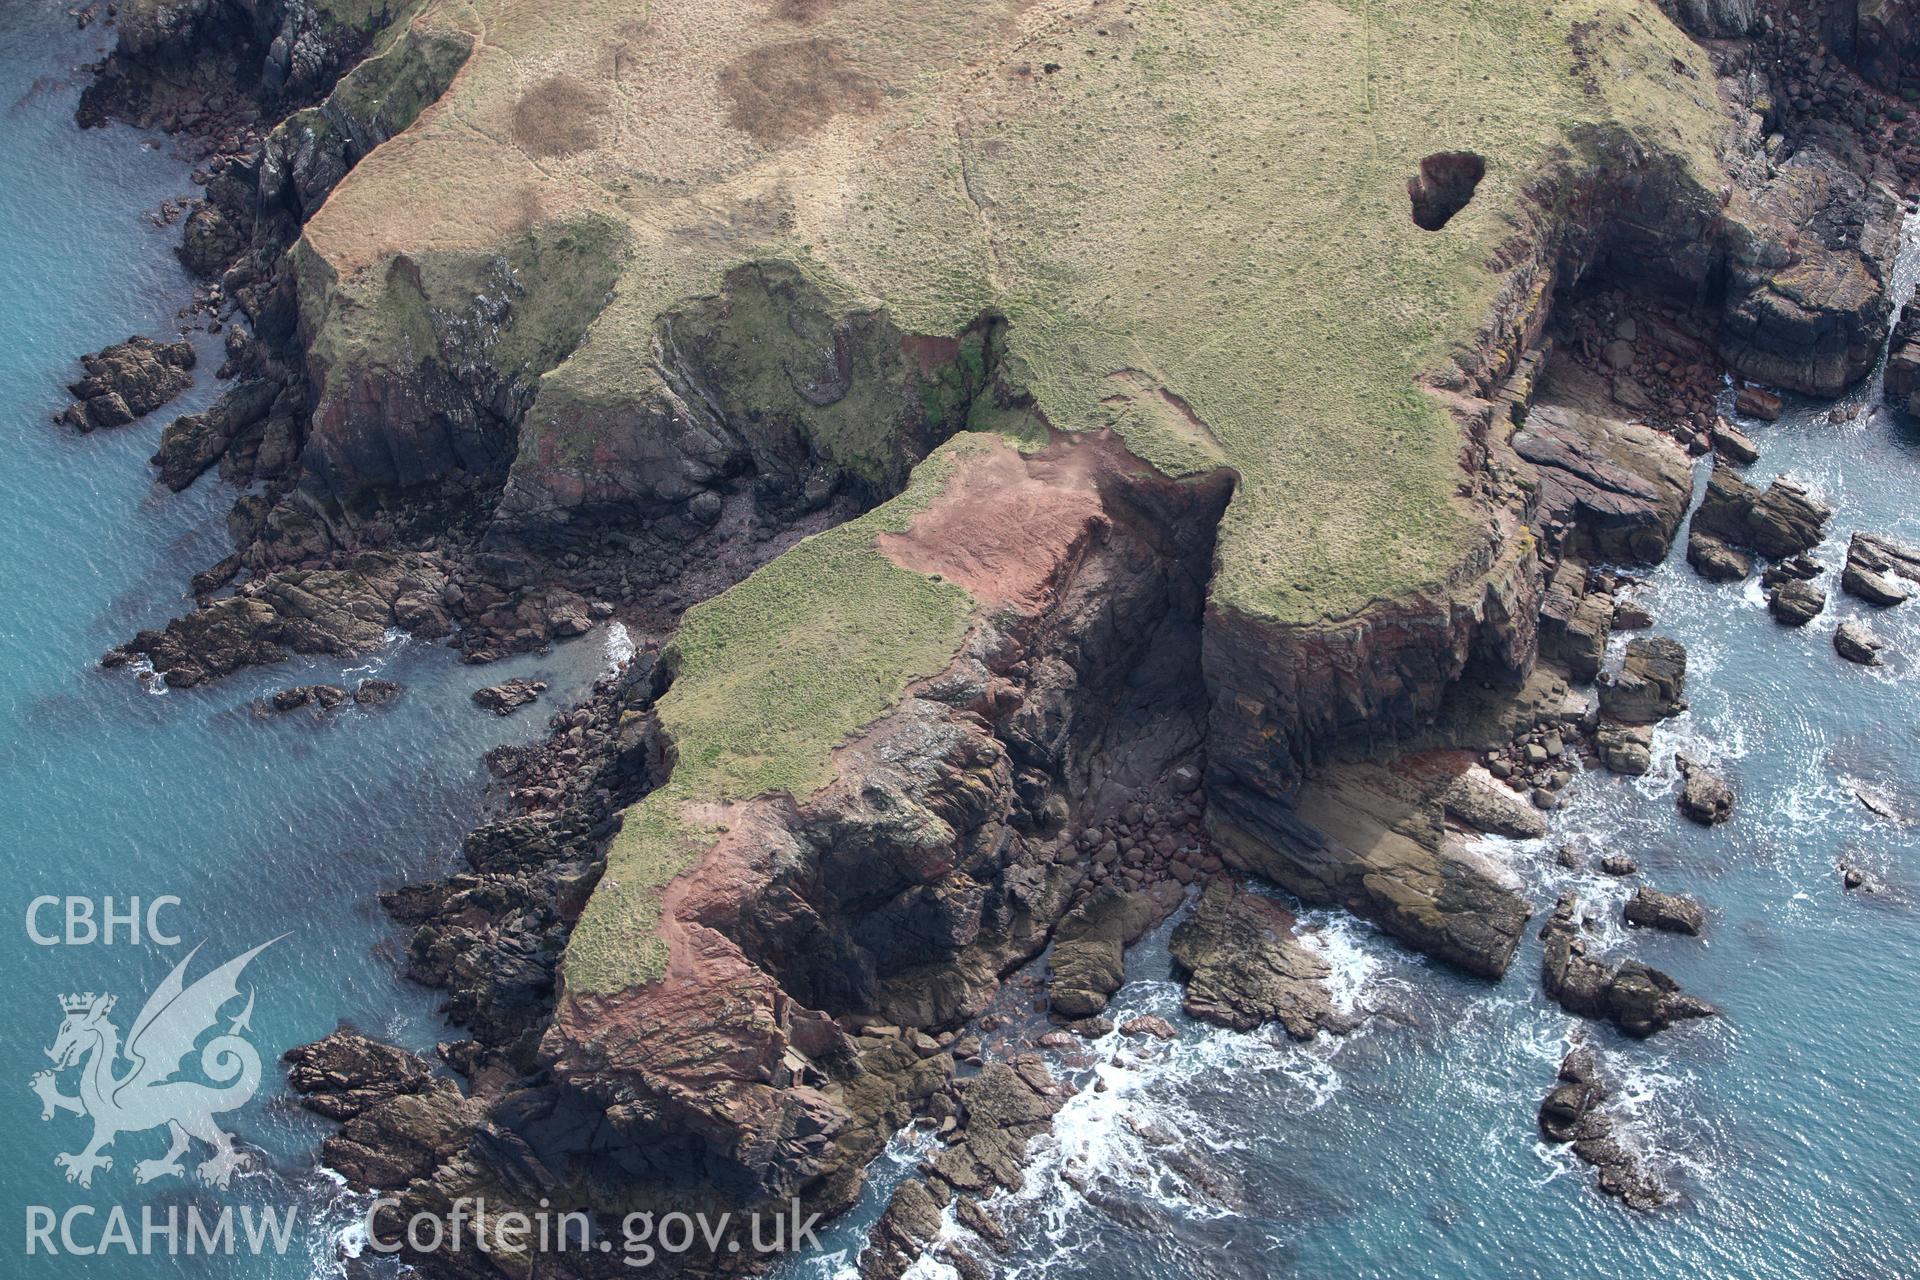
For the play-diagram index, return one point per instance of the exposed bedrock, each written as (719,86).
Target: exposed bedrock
(1619,486)
(945,853)
(127,380)
(767,380)
(1633,995)
(1809,262)
(340,611)
(1244,966)
(173,59)
(1779,521)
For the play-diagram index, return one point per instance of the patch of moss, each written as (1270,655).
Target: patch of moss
(523,307)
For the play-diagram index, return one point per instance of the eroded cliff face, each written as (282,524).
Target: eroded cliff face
(951,842)
(1793,257)
(766,1057)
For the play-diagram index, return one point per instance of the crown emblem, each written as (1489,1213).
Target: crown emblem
(81,1004)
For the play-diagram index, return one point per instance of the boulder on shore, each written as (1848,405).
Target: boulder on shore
(1625,748)
(1732,443)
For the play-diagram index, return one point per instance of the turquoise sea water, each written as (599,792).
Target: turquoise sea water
(260,828)
(1406,1150)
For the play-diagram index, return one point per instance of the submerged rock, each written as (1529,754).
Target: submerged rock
(127,381)
(323,696)
(1671,912)
(1245,967)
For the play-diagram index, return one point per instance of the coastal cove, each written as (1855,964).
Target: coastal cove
(923,870)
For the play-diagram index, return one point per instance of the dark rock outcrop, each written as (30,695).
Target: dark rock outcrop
(1809,259)
(1705,798)
(1002,1110)
(1880,570)
(1636,997)
(1855,642)
(1244,966)
(1715,561)
(1782,520)
(1796,602)
(1651,683)
(1671,912)
(1571,1113)
(127,381)
(401,1120)
(193,442)
(313,611)
(509,696)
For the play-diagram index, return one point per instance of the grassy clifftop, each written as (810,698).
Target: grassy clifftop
(1194,218)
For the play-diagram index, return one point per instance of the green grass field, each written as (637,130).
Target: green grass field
(1193,217)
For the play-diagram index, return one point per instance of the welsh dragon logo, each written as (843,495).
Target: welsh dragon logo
(145,1094)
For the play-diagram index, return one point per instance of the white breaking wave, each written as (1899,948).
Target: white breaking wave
(619,647)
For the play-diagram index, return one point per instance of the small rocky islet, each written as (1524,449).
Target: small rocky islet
(926,424)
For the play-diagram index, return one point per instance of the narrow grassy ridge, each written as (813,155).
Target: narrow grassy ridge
(769,678)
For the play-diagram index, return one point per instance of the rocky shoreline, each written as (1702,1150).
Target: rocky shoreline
(1108,743)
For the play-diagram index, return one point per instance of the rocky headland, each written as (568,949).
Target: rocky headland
(1053,465)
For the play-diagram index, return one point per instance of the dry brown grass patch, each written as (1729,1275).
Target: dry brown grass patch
(783,92)
(559,116)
